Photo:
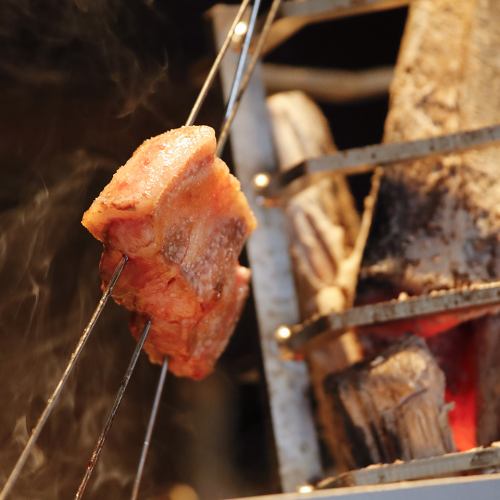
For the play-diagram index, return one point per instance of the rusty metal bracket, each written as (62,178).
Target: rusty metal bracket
(295,337)
(365,159)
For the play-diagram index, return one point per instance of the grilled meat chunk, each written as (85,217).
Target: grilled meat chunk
(180,216)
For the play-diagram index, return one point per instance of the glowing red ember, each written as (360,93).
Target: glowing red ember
(452,341)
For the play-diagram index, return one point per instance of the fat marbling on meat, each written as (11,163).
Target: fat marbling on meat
(179,215)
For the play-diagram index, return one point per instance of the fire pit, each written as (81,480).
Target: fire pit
(381,410)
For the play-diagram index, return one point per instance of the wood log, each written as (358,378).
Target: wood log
(324,227)
(391,407)
(328,85)
(324,223)
(438,220)
(488,354)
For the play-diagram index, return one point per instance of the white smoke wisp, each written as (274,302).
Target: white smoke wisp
(103,42)
(49,275)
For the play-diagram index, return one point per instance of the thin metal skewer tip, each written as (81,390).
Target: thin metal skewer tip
(231,113)
(215,66)
(109,421)
(52,401)
(235,86)
(149,430)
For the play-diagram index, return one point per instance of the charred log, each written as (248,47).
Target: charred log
(324,235)
(391,407)
(488,397)
(437,222)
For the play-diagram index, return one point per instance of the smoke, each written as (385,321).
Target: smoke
(90,42)
(48,294)
(56,58)
(83,84)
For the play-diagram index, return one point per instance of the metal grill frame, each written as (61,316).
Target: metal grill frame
(273,287)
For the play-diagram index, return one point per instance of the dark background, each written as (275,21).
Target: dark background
(82,84)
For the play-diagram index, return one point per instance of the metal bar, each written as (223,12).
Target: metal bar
(235,87)
(484,487)
(337,8)
(275,296)
(247,75)
(358,160)
(422,468)
(328,85)
(215,66)
(296,15)
(109,421)
(296,336)
(52,401)
(149,430)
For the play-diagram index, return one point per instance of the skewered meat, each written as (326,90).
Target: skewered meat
(180,217)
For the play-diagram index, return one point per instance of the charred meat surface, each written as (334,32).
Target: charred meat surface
(180,217)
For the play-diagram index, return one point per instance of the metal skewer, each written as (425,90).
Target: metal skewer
(52,401)
(149,430)
(161,382)
(245,80)
(215,66)
(112,413)
(235,86)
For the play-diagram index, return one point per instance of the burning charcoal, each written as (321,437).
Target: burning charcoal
(390,408)
(437,221)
